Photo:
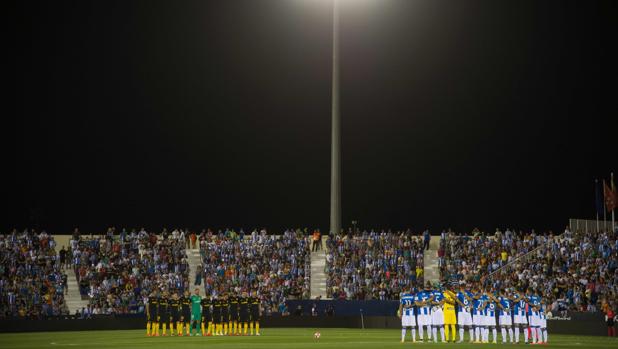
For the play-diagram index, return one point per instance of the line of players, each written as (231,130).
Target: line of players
(216,316)
(478,310)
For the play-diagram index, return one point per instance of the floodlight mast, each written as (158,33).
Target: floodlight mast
(335,174)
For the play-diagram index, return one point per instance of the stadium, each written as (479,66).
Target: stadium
(310,174)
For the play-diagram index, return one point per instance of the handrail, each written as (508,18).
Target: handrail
(522,256)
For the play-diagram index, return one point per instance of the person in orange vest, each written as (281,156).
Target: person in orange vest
(317,240)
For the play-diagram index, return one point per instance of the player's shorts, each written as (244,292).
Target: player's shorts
(449,317)
(408,320)
(233,314)
(243,316)
(255,315)
(464,318)
(424,319)
(490,320)
(505,320)
(437,317)
(534,320)
(519,319)
(175,316)
(543,322)
(186,315)
(216,318)
(478,320)
(152,315)
(164,317)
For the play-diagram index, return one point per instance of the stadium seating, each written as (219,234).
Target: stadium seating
(116,272)
(576,270)
(31,282)
(274,265)
(373,265)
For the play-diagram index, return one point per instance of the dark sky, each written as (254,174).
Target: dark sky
(217,113)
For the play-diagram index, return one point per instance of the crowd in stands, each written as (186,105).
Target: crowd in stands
(373,265)
(276,266)
(32,284)
(576,271)
(116,272)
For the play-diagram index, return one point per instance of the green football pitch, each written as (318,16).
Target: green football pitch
(271,338)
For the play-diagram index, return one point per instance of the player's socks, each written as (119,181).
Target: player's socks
(453,332)
(413,334)
(225,328)
(517,334)
(442,330)
(434,333)
(503,333)
(245,325)
(251,328)
(403,334)
(526,334)
(545,335)
(539,335)
(148,328)
(471,334)
(511,334)
(171,328)
(446,332)
(533,335)
(461,333)
(203,329)
(164,328)
(494,332)
(156,325)
(257,328)
(477,333)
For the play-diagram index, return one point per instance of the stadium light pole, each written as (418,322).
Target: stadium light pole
(335,165)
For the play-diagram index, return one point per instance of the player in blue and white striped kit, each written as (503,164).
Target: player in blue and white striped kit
(534,303)
(464,313)
(490,318)
(422,300)
(437,315)
(543,323)
(505,320)
(408,317)
(478,315)
(519,317)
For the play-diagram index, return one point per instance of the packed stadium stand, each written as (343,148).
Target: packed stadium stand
(576,271)
(116,272)
(373,265)
(32,283)
(276,266)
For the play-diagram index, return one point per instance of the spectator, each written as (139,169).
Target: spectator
(317,240)
(373,265)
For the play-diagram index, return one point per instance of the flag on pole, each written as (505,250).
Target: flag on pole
(598,198)
(610,196)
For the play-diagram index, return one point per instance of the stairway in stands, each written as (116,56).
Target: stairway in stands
(193,257)
(430,261)
(318,276)
(73,298)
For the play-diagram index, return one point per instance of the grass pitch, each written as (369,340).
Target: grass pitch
(271,338)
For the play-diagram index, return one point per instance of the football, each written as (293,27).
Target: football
(316,335)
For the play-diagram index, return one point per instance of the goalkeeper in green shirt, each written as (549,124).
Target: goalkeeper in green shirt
(196,312)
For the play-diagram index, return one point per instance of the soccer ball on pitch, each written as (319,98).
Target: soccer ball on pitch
(316,335)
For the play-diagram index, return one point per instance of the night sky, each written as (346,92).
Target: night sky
(217,113)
